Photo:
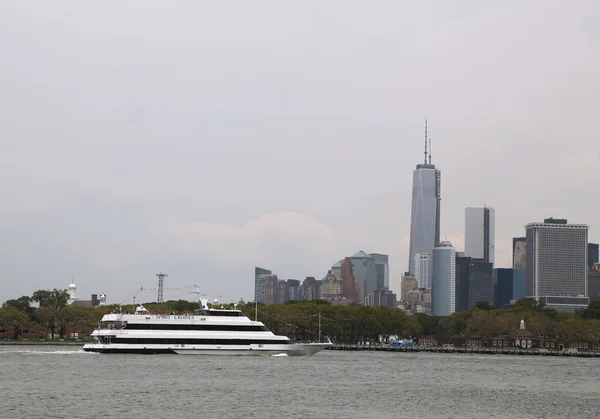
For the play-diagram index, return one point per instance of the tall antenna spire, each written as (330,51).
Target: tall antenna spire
(425,141)
(161,278)
(430,151)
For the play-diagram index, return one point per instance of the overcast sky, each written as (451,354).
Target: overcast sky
(205,138)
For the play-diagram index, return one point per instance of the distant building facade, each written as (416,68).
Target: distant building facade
(336,269)
(409,283)
(271,289)
(332,287)
(519,253)
(593,254)
(509,285)
(443,290)
(365,272)
(418,301)
(348,282)
(462,268)
(474,282)
(382,271)
(557,264)
(259,283)
(294,290)
(480,233)
(381,298)
(74,299)
(310,289)
(284,292)
(594,282)
(423,269)
(481,282)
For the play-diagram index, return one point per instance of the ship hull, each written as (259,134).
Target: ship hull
(267,350)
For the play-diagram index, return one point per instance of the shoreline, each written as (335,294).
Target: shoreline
(360,348)
(44,342)
(471,350)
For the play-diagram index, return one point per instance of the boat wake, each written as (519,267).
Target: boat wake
(42,352)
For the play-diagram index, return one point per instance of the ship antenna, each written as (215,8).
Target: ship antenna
(161,278)
(425,141)
(430,151)
(256,310)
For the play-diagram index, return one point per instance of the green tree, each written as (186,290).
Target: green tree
(452,326)
(528,304)
(429,324)
(47,316)
(540,324)
(78,317)
(22,303)
(483,305)
(562,316)
(573,330)
(55,298)
(508,323)
(592,311)
(13,318)
(51,305)
(484,325)
(183,306)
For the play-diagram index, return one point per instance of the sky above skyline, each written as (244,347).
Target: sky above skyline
(207,138)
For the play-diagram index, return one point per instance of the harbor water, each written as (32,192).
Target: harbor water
(64,382)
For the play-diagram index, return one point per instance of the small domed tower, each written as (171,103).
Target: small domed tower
(72,293)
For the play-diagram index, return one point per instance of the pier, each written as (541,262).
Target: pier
(467,350)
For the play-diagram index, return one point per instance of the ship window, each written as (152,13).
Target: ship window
(200,326)
(191,341)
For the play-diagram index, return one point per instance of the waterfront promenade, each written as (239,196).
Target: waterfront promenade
(467,350)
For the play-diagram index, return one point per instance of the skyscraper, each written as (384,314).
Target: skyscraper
(382,268)
(310,289)
(480,233)
(557,264)
(425,210)
(474,282)
(260,276)
(519,252)
(271,289)
(594,284)
(461,293)
(509,284)
(423,269)
(481,282)
(592,254)
(443,290)
(294,289)
(409,283)
(365,272)
(348,283)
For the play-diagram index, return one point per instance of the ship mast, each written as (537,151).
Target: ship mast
(319,326)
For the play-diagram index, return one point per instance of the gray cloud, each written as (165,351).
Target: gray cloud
(210,138)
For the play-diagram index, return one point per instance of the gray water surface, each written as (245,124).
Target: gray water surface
(65,382)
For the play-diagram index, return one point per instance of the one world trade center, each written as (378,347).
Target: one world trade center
(425,216)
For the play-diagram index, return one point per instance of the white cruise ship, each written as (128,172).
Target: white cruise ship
(208,331)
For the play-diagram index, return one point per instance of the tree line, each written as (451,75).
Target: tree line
(345,324)
(304,320)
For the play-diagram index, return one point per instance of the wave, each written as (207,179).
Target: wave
(45,352)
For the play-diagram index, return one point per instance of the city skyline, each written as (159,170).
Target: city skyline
(204,140)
